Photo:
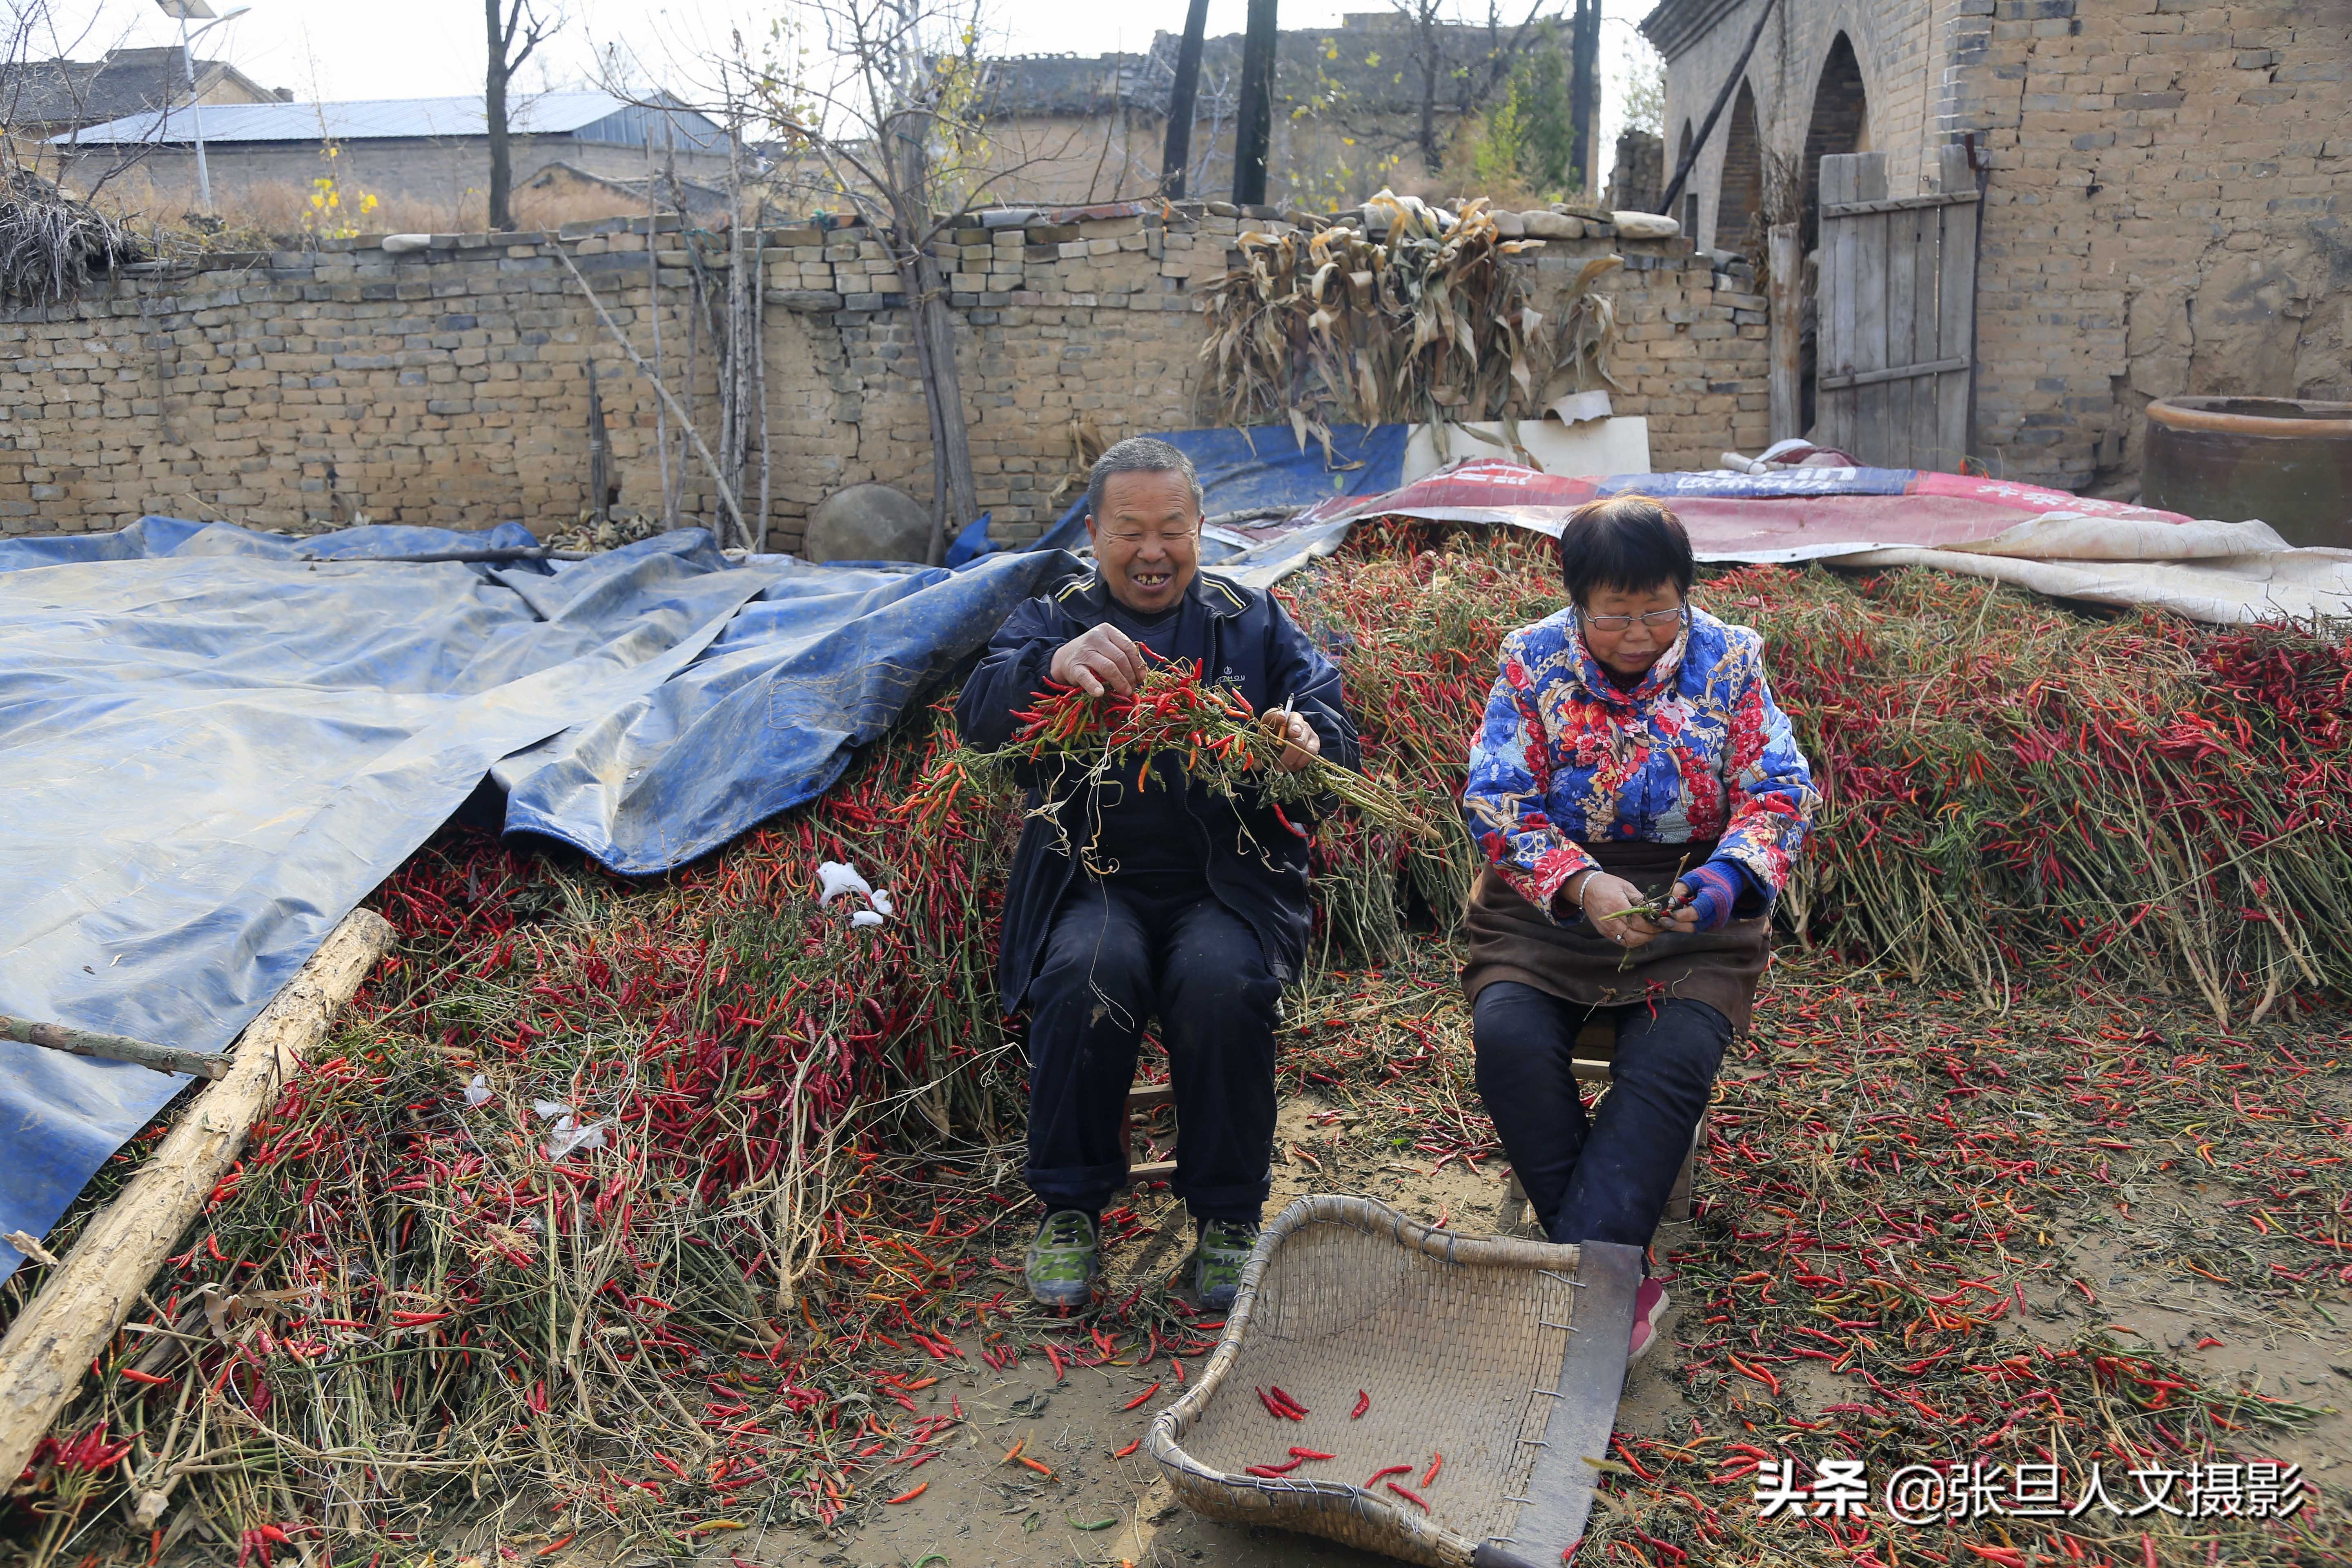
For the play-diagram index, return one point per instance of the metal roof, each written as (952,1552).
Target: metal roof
(590,116)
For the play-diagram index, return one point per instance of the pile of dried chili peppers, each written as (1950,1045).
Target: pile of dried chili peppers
(2006,783)
(658,1204)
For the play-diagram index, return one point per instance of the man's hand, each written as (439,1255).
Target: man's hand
(1605,899)
(1100,658)
(1305,744)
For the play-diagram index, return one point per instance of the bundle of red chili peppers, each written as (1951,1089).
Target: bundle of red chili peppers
(1207,729)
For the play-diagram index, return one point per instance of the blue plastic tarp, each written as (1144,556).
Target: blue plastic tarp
(1267,465)
(213,747)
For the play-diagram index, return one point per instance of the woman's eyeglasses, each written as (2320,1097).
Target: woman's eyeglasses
(1657,620)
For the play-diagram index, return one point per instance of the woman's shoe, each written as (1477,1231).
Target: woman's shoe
(1649,1306)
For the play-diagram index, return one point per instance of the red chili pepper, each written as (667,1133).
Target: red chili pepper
(911,1493)
(552,1547)
(1408,1497)
(1310,1454)
(1140,1397)
(1300,1409)
(1130,1448)
(1378,1476)
(1363,1403)
(1435,1465)
(135,1375)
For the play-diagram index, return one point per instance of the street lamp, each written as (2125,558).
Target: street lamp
(185,12)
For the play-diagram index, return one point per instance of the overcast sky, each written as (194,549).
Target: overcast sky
(426,48)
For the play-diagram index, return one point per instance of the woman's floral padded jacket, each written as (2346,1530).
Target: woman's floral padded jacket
(1698,751)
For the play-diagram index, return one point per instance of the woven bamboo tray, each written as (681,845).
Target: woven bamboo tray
(1506,1356)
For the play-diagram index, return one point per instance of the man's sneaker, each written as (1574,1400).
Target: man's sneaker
(1225,1246)
(1649,1306)
(1065,1261)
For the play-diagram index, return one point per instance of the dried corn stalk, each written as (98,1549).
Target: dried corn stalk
(1426,324)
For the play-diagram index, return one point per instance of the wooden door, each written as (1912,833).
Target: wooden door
(1896,314)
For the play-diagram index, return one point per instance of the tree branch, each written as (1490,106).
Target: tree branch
(717,475)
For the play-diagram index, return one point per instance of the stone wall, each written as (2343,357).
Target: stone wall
(303,389)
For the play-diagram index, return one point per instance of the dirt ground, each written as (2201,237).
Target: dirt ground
(978,1511)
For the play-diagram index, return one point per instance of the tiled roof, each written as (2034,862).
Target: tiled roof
(127,81)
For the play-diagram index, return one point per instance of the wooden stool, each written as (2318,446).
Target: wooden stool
(1143,1100)
(1595,1048)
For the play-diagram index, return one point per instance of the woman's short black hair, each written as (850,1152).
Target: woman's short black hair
(1631,543)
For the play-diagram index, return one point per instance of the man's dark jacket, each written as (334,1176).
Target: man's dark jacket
(1241,637)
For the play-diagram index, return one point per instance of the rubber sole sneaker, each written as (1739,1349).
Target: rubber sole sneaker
(1065,1262)
(1225,1246)
(1649,1306)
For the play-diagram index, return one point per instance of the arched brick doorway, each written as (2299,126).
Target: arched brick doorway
(1741,195)
(1840,124)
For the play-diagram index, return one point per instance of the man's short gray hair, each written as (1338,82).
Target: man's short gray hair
(1140,455)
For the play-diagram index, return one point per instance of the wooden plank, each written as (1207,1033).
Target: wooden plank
(1833,316)
(1785,261)
(113,1048)
(1901,203)
(1160,1171)
(1583,1406)
(1902,322)
(1927,442)
(1957,310)
(1149,1096)
(1897,373)
(86,1298)
(1870,411)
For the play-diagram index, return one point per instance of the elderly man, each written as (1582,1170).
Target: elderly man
(1163,901)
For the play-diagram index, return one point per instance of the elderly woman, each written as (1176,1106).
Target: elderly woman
(1640,801)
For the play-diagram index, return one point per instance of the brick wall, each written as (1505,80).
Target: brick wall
(1895,43)
(302,388)
(2167,211)
(2165,205)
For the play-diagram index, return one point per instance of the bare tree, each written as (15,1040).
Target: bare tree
(36,68)
(1447,63)
(899,131)
(515,30)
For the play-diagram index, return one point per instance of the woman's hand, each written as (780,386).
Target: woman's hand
(1605,899)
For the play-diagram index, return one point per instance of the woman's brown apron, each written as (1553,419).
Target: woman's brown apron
(1510,938)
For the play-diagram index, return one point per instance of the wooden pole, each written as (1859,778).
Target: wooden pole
(87,1298)
(1177,155)
(1584,94)
(1706,126)
(113,1048)
(686,421)
(1254,130)
(1786,266)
